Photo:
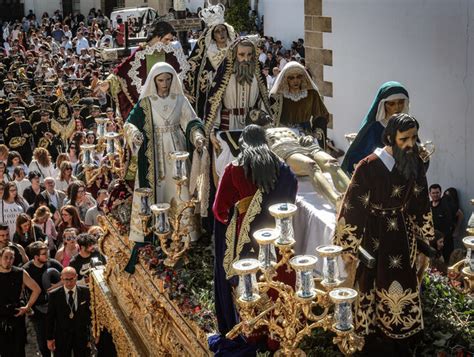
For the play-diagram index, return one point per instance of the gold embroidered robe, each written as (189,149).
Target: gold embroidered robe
(384,213)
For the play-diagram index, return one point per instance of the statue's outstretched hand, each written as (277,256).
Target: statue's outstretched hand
(215,144)
(137,139)
(199,143)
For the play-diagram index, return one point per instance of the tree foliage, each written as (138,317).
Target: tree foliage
(237,15)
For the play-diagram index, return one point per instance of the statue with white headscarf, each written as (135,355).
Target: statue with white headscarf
(296,102)
(161,122)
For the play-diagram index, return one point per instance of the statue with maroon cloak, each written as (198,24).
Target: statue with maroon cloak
(249,186)
(126,82)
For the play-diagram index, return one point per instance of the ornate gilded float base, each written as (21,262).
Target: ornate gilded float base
(136,309)
(108,315)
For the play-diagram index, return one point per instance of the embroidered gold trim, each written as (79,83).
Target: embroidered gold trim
(148,50)
(114,86)
(427,229)
(65,131)
(189,79)
(365,312)
(277,107)
(17,142)
(148,128)
(124,87)
(398,308)
(346,235)
(412,231)
(254,208)
(216,100)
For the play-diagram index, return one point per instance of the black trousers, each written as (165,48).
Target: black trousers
(448,248)
(68,344)
(12,341)
(39,324)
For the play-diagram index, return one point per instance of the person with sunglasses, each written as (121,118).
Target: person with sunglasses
(65,176)
(70,248)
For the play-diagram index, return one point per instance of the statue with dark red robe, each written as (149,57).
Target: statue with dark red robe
(386,210)
(126,83)
(249,186)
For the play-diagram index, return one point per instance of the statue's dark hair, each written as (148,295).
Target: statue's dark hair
(215,27)
(160,29)
(262,120)
(260,164)
(398,122)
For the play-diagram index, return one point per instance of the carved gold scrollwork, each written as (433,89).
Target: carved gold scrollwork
(158,326)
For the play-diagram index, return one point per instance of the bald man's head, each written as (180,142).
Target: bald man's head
(69,277)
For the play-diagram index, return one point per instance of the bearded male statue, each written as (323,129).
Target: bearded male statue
(386,210)
(238,87)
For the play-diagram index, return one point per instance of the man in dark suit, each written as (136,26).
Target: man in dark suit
(69,317)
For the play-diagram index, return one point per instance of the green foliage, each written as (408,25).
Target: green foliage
(237,15)
(319,344)
(448,318)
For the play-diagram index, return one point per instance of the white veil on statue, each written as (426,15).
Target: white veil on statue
(281,84)
(149,88)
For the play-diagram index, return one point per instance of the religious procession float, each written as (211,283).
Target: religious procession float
(249,289)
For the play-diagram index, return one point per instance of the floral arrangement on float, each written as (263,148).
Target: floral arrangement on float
(190,285)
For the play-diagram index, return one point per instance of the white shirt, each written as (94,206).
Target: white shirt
(47,171)
(80,44)
(386,158)
(21,185)
(9,212)
(283,62)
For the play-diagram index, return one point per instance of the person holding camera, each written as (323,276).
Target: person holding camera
(12,306)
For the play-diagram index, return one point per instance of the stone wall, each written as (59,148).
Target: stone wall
(316,56)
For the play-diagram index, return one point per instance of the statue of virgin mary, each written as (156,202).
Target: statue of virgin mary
(161,122)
